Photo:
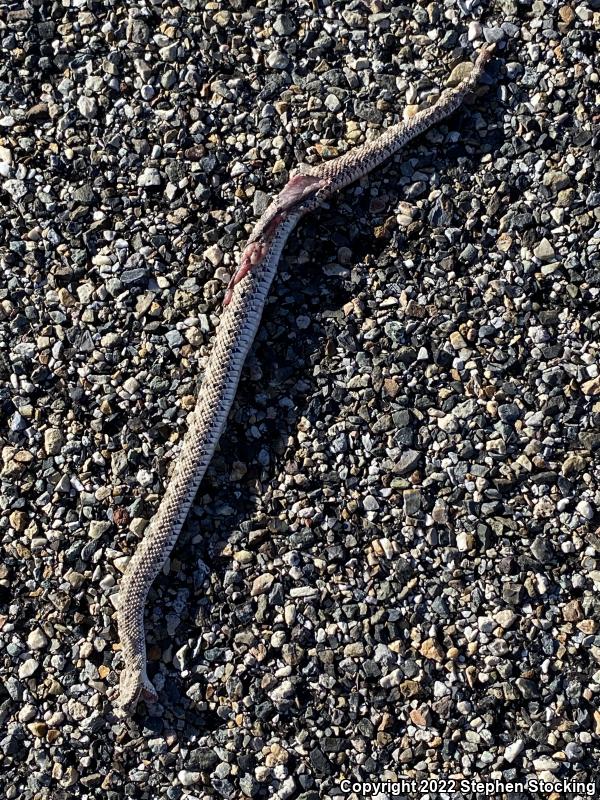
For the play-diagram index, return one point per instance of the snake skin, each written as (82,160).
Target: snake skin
(244,303)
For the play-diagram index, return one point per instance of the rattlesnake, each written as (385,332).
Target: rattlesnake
(243,306)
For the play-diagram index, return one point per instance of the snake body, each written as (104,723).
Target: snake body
(243,306)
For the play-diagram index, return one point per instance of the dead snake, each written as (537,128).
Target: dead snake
(243,307)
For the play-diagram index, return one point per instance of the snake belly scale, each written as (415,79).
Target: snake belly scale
(243,306)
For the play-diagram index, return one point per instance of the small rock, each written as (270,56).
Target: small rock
(354,650)
(370,503)
(544,763)
(284,25)
(412,502)
(87,106)
(149,177)
(409,689)
(277,60)
(574,751)
(38,728)
(459,73)
(544,250)
(418,718)
(222,18)
(572,464)
(214,254)
(28,668)
(457,340)
(249,786)
(493,35)
(174,338)
(509,412)
(391,387)
(585,509)
(282,694)
(572,611)
(84,194)
(464,541)
(169,52)
(474,31)
(432,650)
(188,777)
(18,520)
(138,31)
(542,549)
(332,103)
(393,678)
(505,618)
(565,198)
(556,180)
(513,750)
(591,387)
(408,462)
(15,188)
(261,584)
(53,441)
(37,639)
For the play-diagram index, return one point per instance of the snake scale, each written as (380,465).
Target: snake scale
(243,306)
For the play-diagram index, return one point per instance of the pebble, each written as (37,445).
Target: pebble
(464,541)
(284,25)
(39,728)
(37,639)
(545,764)
(572,465)
(474,30)
(574,751)
(332,103)
(544,250)
(53,441)
(370,503)
(261,584)
(188,777)
(28,668)
(591,387)
(149,177)
(457,340)
(408,461)
(459,73)
(15,188)
(214,254)
(556,180)
(88,107)
(585,509)
(494,35)
(513,750)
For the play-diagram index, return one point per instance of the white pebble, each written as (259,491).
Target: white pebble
(87,106)
(513,750)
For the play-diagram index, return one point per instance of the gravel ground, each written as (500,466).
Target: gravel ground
(402,523)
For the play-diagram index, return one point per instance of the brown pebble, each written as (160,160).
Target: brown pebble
(391,387)
(432,650)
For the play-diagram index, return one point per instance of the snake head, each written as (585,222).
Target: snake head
(134,686)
